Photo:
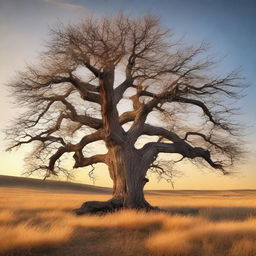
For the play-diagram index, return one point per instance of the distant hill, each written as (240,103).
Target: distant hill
(62,186)
(30,183)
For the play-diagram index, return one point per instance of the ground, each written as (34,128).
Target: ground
(36,219)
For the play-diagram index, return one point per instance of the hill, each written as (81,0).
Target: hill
(65,186)
(30,183)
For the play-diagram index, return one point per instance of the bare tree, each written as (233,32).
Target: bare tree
(168,92)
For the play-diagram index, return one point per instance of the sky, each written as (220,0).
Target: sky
(229,26)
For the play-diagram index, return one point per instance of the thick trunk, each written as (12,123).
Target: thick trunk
(127,170)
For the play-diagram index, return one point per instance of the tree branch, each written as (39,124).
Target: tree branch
(80,160)
(206,138)
(97,73)
(200,104)
(85,161)
(161,132)
(84,119)
(184,149)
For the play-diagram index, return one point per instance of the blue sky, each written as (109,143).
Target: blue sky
(229,26)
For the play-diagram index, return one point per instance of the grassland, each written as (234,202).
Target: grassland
(37,220)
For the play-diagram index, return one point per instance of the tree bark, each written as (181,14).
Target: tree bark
(127,170)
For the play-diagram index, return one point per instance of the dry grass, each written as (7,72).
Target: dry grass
(27,235)
(6,216)
(39,222)
(206,238)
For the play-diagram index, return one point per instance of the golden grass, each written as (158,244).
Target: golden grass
(206,238)
(196,224)
(6,216)
(126,219)
(26,235)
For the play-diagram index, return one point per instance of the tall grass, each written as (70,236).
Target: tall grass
(202,238)
(26,235)
(200,225)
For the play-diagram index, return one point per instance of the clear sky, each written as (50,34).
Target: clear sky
(228,25)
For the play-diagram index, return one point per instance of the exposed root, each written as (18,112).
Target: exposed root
(100,206)
(112,205)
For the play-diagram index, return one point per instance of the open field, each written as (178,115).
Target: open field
(36,220)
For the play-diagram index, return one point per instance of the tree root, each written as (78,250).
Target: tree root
(112,205)
(100,206)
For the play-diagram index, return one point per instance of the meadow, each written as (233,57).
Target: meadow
(40,222)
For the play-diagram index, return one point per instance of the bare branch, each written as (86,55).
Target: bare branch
(185,150)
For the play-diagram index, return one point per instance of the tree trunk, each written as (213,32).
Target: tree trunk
(127,170)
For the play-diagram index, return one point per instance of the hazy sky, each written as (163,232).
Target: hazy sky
(228,25)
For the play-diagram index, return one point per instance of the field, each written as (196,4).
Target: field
(36,219)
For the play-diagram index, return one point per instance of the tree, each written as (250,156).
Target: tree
(170,92)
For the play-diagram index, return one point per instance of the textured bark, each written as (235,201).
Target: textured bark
(127,170)
(100,207)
